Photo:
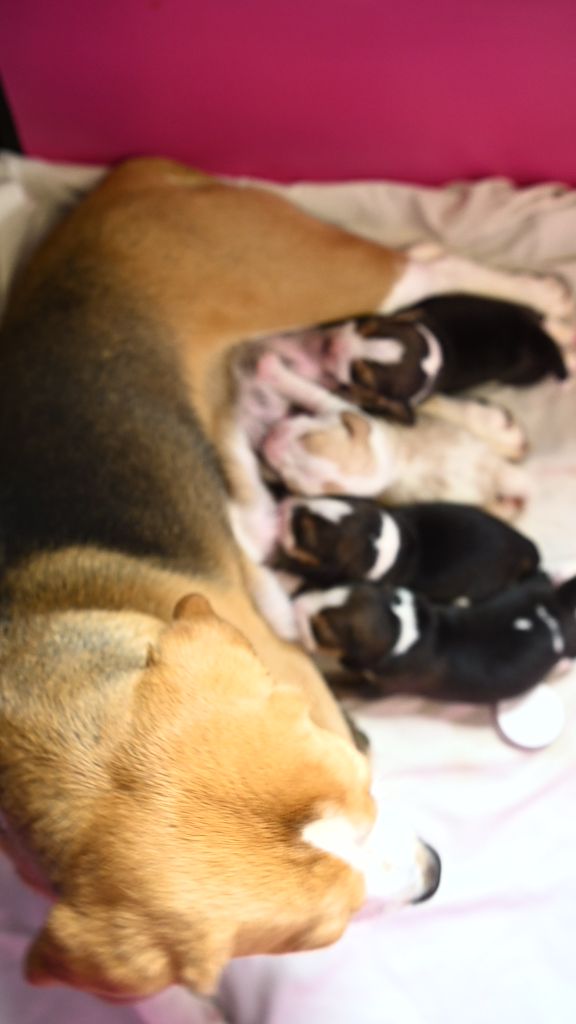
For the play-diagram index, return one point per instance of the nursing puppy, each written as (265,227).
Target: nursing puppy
(445,344)
(444,551)
(400,643)
(349,452)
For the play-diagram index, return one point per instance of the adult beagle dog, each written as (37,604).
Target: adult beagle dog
(177,779)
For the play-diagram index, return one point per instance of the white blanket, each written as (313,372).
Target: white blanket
(495,945)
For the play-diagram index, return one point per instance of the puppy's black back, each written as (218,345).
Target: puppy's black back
(463,551)
(489,340)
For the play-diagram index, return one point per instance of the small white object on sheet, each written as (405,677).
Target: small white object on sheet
(496,942)
(532,721)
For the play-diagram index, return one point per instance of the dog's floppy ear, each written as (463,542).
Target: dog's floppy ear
(117,953)
(192,606)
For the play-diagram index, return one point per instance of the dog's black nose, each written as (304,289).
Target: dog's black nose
(432,874)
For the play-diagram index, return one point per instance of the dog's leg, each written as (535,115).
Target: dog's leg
(432,271)
(492,423)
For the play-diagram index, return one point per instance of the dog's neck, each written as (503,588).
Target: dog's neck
(87,578)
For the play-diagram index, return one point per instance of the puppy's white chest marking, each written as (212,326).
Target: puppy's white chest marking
(387,548)
(431,363)
(553,626)
(404,608)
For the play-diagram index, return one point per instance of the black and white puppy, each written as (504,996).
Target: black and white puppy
(447,344)
(443,550)
(399,643)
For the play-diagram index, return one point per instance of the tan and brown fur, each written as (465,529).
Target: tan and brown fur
(160,754)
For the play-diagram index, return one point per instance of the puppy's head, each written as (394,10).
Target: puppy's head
(339,453)
(385,364)
(357,623)
(182,811)
(338,538)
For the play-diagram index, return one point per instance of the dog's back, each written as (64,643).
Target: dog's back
(98,442)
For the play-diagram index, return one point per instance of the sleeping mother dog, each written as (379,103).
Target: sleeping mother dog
(177,779)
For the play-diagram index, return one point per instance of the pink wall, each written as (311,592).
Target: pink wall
(422,90)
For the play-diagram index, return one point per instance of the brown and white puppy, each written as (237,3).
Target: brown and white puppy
(446,551)
(348,452)
(178,779)
(390,365)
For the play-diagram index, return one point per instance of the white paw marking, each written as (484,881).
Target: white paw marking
(497,426)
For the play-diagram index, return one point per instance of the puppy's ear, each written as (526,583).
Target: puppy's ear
(326,632)
(119,954)
(412,315)
(399,410)
(358,426)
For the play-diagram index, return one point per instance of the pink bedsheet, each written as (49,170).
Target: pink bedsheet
(495,946)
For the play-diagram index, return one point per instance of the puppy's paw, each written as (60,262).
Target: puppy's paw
(510,493)
(500,429)
(269,367)
(425,252)
(553,297)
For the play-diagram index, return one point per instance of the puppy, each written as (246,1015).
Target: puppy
(400,643)
(177,780)
(444,551)
(445,344)
(348,452)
